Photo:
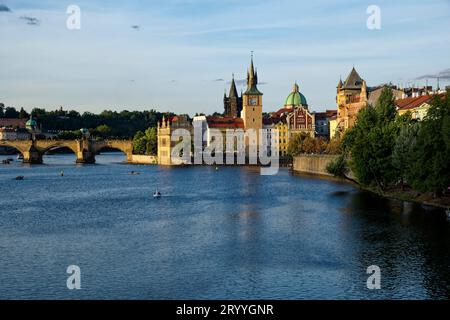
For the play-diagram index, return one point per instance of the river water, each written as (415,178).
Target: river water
(214,234)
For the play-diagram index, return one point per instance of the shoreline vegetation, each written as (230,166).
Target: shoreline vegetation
(396,156)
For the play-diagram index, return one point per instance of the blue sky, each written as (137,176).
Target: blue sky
(183,53)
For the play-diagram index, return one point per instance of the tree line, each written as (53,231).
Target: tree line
(385,150)
(67,123)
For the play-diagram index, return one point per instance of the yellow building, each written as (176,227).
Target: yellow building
(417,106)
(351,97)
(333,127)
(165,129)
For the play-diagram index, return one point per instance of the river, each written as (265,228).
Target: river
(214,234)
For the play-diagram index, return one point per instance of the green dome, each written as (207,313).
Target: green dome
(296,98)
(31,123)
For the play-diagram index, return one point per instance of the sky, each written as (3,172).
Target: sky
(179,56)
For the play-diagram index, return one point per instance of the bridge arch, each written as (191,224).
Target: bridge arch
(126,146)
(21,146)
(46,146)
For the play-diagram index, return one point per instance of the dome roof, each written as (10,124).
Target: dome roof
(296,98)
(31,123)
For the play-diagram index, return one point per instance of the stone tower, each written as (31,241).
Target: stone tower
(164,142)
(233,103)
(252,102)
(351,96)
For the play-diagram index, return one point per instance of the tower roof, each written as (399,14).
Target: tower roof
(252,81)
(233,90)
(296,98)
(353,81)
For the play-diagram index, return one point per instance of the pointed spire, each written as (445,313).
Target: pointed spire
(295,88)
(252,79)
(233,89)
(340,82)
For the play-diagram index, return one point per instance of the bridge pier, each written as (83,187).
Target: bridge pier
(32,156)
(87,157)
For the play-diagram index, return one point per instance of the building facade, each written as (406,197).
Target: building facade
(165,130)
(322,123)
(351,97)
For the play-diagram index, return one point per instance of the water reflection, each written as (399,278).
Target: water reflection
(214,234)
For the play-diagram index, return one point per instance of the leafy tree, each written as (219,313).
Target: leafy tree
(103,131)
(403,152)
(334,146)
(11,112)
(338,167)
(23,114)
(295,146)
(371,140)
(2,108)
(152,140)
(69,135)
(139,143)
(430,170)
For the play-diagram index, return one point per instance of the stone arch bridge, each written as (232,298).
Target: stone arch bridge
(85,150)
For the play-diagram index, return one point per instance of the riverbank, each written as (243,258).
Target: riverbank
(410,195)
(315,165)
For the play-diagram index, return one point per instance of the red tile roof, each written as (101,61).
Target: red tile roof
(225,122)
(7,122)
(331,113)
(413,102)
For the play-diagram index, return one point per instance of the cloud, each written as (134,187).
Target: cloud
(218,80)
(135,27)
(444,74)
(4,8)
(31,20)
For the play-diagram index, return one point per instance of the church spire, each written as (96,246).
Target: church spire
(233,89)
(252,79)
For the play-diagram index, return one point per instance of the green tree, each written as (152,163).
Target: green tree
(11,112)
(23,114)
(295,146)
(403,152)
(151,135)
(430,170)
(103,131)
(338,167)
(2,108)
(371,140)
(139,143)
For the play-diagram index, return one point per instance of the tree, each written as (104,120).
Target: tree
(23,114)
(139,143)
(403,152)
(11,112)
(103,131)
(430,170)
(338,167)
(371,140)
(295,146)
(2,110)
(334,146)
(152,141)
